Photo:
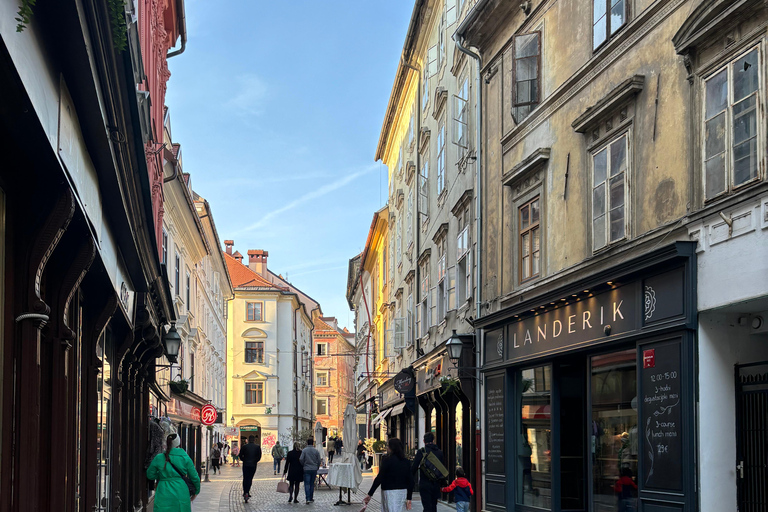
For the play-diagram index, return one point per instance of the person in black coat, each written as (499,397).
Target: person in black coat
(395,479)
(295,472)
(250,455)
(428,490)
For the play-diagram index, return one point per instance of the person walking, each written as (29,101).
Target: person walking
(215,456)
(429,490)
(310,460)
(250,455)
(361,453)
(172,494)
(331,446)
(277,457)
(235,456)
(462,491)
(295,472)
(225,452)
(395,478)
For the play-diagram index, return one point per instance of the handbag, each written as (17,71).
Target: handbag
(282,486)
(187,480)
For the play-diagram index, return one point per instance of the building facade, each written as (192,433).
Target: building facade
(334,376)
(85,304)
(623,191)
(269,354)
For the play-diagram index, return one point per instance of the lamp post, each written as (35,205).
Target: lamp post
(172,344)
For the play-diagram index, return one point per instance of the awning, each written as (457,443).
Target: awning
(398,409)
(380,417)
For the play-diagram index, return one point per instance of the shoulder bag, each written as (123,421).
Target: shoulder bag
(187,480)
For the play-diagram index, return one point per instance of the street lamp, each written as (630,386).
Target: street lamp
(455,346)
(172,343)
(232,420)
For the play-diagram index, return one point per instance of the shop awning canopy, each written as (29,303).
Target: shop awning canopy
(381,417)
(398,409)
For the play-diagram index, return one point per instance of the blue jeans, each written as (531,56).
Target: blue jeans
(276,464)
(462,506)
(309,484)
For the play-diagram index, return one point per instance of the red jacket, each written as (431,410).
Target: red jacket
(463,489)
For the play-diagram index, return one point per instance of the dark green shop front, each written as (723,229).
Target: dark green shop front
(589,393)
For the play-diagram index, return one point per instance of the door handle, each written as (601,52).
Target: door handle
(740,467)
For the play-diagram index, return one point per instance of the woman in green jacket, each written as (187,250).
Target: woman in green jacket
(172,494)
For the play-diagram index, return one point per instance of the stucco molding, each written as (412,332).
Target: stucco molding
(708,17)
(465,198)
(608,103)
(441,232)
(528,164)
(424,256)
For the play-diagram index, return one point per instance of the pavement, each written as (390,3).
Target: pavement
(224,493)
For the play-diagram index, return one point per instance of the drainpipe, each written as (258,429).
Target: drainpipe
(295,373)
(417,231)
(479,225)
(182,31)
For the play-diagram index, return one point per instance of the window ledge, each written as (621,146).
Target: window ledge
(538,157)
(625,90)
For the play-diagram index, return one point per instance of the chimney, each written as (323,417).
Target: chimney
(238,256)
(228,244)
(257,261)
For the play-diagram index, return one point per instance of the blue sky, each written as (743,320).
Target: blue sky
(278,107)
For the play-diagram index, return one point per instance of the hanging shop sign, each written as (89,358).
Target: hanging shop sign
(405,381)
(388,395)
(361,419)
(183,411)
(428,376)
(208,415)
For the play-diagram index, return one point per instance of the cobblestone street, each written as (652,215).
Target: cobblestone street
(224,494)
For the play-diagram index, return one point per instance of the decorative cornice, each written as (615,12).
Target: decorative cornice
(409,277)
(465,198)
(538,157)
(708,17)
(622,92)
(425,254)
(423,138)
(441,98)
(440,233)
(410,171)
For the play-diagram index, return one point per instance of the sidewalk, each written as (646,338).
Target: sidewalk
(224,494)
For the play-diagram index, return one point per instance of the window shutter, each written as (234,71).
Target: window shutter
(451,288)
(399,333)
(451,11)
(433,306)
(432,61)
(409,328)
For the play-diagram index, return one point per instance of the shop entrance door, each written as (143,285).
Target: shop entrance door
(751,435)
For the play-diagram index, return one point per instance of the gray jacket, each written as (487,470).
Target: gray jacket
(310,458)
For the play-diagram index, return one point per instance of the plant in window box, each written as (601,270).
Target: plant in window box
(180,386)
(449,385)
(379,446)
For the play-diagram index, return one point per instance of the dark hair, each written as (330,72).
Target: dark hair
(626,472)
(220,445)
(296,447)
(251,439)
(397,447)
(429,437)
(310,441)
(168,448)
(460,472)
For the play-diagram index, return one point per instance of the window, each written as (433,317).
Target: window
(177,275)
(165,247)
(422,317)
(399,239)
(411,128)
(424,190)
(322,406)
(322,349)
(530,240)
(254,352)
(441,157)
(254,311)
(441,57)
(526,74)
(463,257)
(442,286)
(191,371)
(384,267)
(461,118)
(609,172)
(608,16)
(409,316)
(322,379)
(730,126)
(534,437)
(409,218)
(425,87)
(189,283)
(254,393)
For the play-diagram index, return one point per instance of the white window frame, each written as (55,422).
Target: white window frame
(728,67)
(263,393)
(324,350)
(461,117)
(608,207)
(326,375)
(441,156)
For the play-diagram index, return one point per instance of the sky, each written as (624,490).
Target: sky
(278,107)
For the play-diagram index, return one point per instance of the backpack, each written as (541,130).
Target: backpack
(431,466)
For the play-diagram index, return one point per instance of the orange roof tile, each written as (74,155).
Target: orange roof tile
(244,276)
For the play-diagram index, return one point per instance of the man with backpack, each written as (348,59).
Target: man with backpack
(432,472)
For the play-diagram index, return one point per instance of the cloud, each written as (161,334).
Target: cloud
(325,189)
(250,95)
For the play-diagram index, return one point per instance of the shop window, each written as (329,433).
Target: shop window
(254,352)
(609,190)
(614,429)
(731,102)
(254,393)
(608,16)
(530,240)
(254,311)
(534,442)
(459,433)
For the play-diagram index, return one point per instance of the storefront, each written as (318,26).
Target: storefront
(593,383)
(184,412)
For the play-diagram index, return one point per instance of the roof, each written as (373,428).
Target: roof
(243,276)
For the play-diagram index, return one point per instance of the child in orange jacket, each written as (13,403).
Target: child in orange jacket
(462,491)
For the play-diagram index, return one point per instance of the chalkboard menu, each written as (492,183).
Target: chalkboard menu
(661,416)
(495,419)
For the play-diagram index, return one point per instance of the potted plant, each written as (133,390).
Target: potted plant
(379,447)
(179,386)
(449,385)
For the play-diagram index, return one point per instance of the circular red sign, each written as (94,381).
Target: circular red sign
(208,415)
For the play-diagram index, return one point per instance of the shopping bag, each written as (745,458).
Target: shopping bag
(282,486)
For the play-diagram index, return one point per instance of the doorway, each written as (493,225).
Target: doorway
(751,433)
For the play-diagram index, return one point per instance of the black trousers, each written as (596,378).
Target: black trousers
(248,472)
(430,493)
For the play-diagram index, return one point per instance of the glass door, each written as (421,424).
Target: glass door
(104,423)
(534,438)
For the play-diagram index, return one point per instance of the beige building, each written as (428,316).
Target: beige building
(269,353)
